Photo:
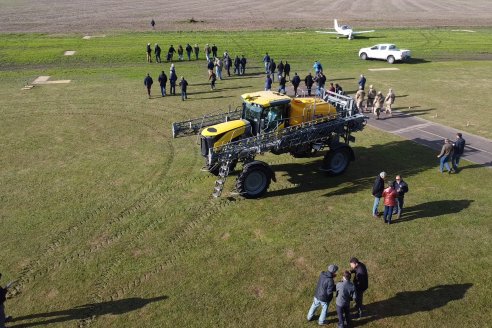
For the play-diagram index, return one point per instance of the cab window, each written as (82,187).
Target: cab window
(274,116)
(383,48)
(374,48)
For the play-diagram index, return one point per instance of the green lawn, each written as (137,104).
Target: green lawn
(109,222)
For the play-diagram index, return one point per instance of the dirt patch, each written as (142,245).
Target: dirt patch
(84,16)
(225,236)
(258,291)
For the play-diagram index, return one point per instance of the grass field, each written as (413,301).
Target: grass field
(108,222)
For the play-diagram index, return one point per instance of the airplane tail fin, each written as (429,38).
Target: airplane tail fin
(335,23)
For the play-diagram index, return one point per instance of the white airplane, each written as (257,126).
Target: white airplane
(344,30)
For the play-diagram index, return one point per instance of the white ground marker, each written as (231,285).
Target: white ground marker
(384,69)
(88,37)
(45,80)
(69,53)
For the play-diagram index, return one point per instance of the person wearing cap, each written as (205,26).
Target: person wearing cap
(361,283)
(184,85)
(296,80)
(445,155)
(149,53)
(378,104)
(377,192)
(345,292)
(458,149)
(371,94)
(389,100)
(323,293)
(401,188)
(148,83)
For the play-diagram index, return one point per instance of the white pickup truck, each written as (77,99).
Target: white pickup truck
(387,51)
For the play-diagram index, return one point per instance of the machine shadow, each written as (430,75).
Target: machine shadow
(410,302)
(399,157)
(85,311)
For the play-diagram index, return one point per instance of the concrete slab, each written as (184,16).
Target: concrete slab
(69,53)
(384,69)
(88,37)
(45,80)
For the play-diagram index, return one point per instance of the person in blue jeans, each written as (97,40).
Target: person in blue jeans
(458,149)
(445,155)
(323,293)
(377,192)
(183,84)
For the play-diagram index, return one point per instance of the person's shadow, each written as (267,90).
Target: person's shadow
(433,209)
(405,303)
(86,311)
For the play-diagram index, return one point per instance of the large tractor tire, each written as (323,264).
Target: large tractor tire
(254,180)
(336,161)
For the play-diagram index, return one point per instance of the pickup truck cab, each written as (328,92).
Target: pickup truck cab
(386,51)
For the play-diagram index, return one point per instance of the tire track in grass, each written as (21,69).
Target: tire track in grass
(187,237)
(33,269)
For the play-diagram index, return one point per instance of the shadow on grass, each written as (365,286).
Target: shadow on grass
(397,157)
(414,112)
(407,303)
(433,209)
(219,89)
(86,311)
(417,61)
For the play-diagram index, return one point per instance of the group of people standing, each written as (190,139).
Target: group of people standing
(271,69)
(393,194)
(345,291)
(171,51)
(223,63)
(163,79)
(375,99)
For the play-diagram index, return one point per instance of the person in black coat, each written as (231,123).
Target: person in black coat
(214,50)
(401,188)
(243,65)
(237,63)
(170,53)
(361,282)
(323,293)
(162,82)
(157,51)
(308,80)
(296,80)
(148,83)
(377,192)
(287,70)
(184,87)
(172,83)
(188,49)
(458,149)
(3,299)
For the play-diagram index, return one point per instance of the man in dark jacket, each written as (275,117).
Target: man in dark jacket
(401,188)
(361,282)
(214,50)
(458,149)
(287,70)
(184,86)
(243,65)
(157,51)
(172,83)
(170,53)
(237,63)
(148,83)
(362,81)
(323,293)
(296,80)
(188,49)
(162,83)
(377,192)
(308,80)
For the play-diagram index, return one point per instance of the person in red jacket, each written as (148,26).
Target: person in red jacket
(389,195)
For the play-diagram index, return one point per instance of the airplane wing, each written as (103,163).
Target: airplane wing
(327,32)
(360,32)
